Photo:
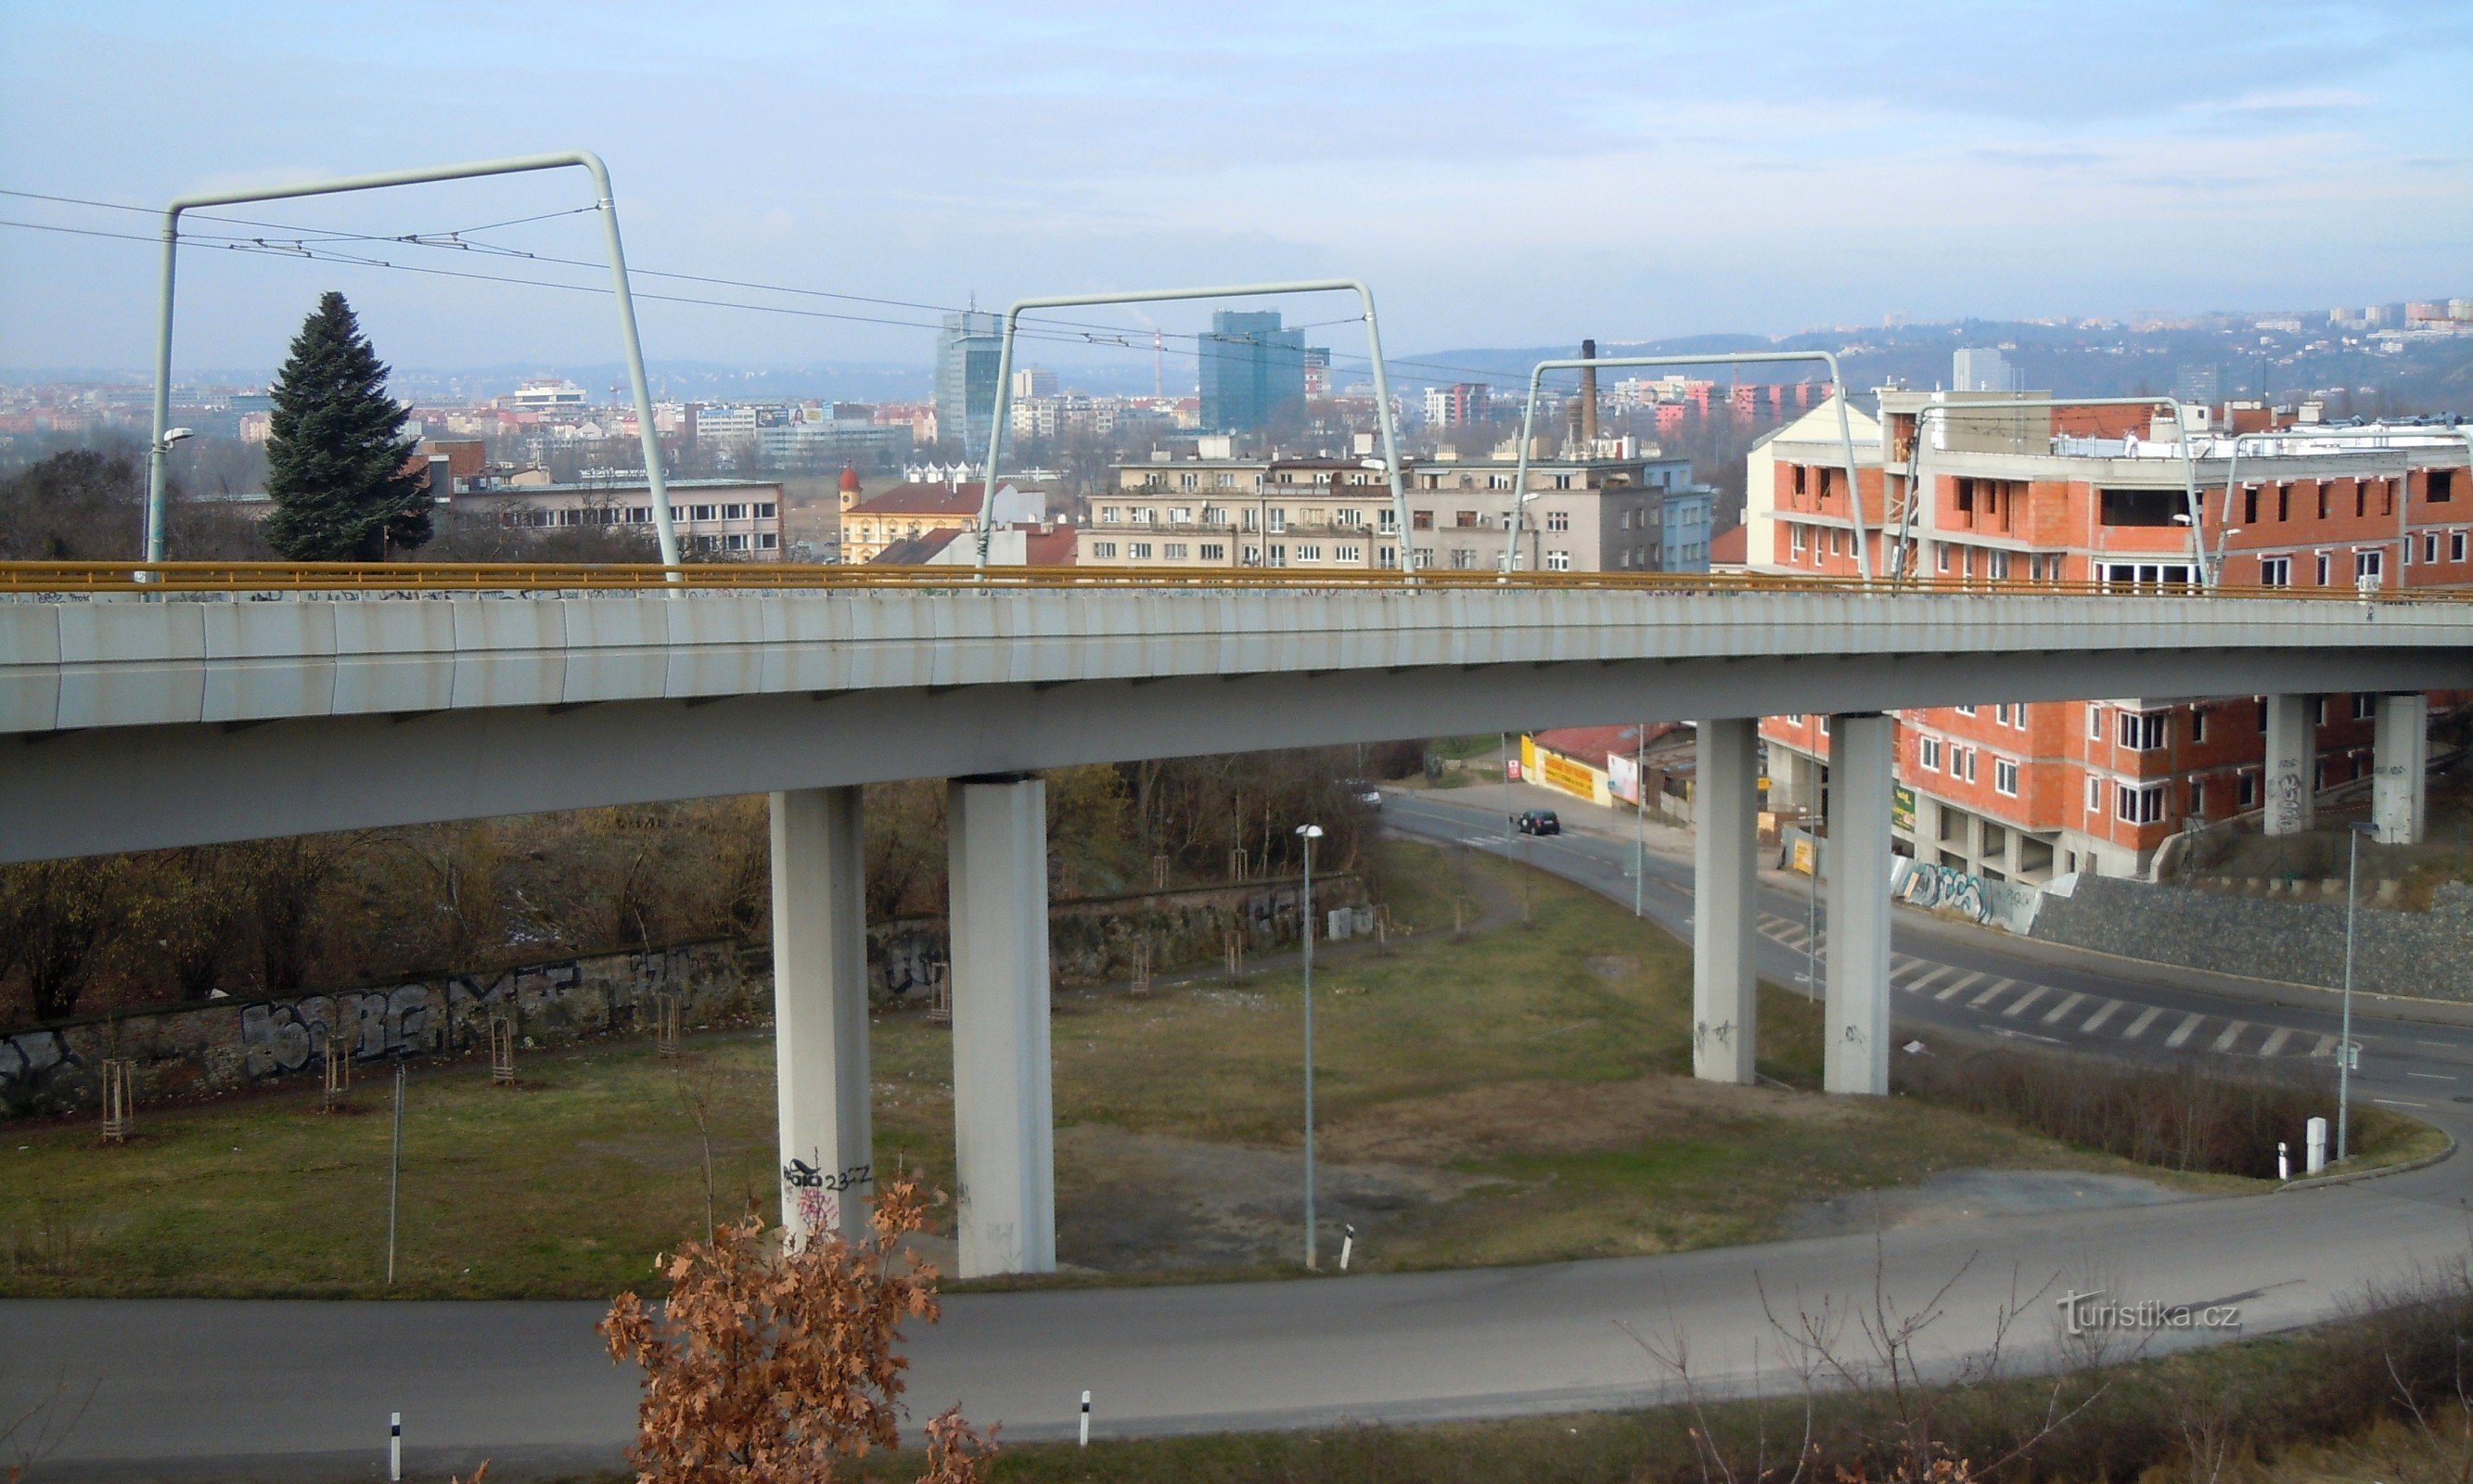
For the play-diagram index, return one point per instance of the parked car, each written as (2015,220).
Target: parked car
(1537,822)
(1363,792)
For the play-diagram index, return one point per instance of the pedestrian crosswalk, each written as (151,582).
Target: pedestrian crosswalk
(2075,1012)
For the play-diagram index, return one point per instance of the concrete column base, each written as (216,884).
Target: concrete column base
(1726,806)
(2400,764)
(1003,1109)
(820,1012)
(1856,1052)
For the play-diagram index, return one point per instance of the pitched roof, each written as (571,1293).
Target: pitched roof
(1592,745)
(922,500)
(914,551)
(1049,548)
(1730,547)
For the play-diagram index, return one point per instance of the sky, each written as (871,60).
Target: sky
(1499,175)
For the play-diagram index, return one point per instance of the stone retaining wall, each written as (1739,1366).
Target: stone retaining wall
(2428,955)
(189,1051)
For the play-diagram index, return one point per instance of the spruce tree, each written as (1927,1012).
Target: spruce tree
(336,452)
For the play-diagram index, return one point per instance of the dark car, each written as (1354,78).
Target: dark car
(1537,821)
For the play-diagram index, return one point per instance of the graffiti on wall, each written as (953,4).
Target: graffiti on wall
(1940,886)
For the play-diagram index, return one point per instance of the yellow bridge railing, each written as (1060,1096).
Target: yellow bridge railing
(38,579)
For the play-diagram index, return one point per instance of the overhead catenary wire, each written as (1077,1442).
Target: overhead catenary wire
(309,243)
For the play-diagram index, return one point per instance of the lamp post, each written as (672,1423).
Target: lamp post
(1309,833)
(2344,1038)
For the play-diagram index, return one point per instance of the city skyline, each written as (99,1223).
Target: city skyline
(2301,157)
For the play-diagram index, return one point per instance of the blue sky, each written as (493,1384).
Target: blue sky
(1501,175)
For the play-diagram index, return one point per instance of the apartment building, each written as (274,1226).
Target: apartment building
(1584,515)
(734,518)
(915,509)
(2038,496)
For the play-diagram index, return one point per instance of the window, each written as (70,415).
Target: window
(1794,539)
(1214,515)
(768,541)
(2249,794)
(733,513)
(700,513)
(2197,724)
(1278,554)
(2322,569)
(1143,515)
(1348,551)
(1940,551)
(1422,556)
(1558,562)
(1999,564)
(1309,551)
(1963,710)
(1181,515)
(2094,722)
(1929,751)
(1351,517)
(2095,795)
(2142,731)
(2141,506)
(1173,551)
(2004,776)
(2365,706)
(1463,559)
(2138,805)
(2004,716)
(2430,549)
(1558,520)
(2275,572)
(2368,565)
(1386,521)
(1214,551)
(1110,514)
(2440,487)
(1279,520)
(1421,520)
(766,509)
(1961,761)
(1465,520)
(735,542)
(2456,546)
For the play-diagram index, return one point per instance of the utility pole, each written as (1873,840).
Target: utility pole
(1640,825)
(1309,833)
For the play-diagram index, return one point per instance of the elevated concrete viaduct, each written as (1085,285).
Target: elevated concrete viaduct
(132,725)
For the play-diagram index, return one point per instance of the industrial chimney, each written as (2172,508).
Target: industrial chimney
(1588,400)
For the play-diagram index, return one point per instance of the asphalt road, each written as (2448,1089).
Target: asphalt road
(212,1390)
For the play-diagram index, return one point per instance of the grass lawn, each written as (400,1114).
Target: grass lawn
(1509,1096)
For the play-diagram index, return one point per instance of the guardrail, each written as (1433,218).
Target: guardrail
(72,579)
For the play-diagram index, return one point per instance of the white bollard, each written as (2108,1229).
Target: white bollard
(395,1447)
(1347,1245)
(2317,1160)
(1086,1420)
(2283,1161)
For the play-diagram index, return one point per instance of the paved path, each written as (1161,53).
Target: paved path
(209,1389)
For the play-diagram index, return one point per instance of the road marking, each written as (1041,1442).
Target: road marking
(2431,1076)
(2063,1008)
(2275,1042)
(1794,938)
(2421,1041)
(2232,1033)
(2095,1021)
(1900,966)
(2034,993)
(2000,987)
(2145,1019)
(1959,986)
(1935,976)
(2397,1102)
(2181,1033)
(2326,1046)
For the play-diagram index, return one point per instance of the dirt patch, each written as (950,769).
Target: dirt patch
(1562,1117)
(665,1151)
(1149,1201)
(1613,970)
(1958,1195)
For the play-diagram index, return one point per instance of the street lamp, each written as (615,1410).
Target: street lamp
(1309,833)
(2344,1040)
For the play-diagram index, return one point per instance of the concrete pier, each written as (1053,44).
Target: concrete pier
(2400,764)
(820,1012)
(1725,808)
(1004,1110)
(1856,1053)
(2292,762)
